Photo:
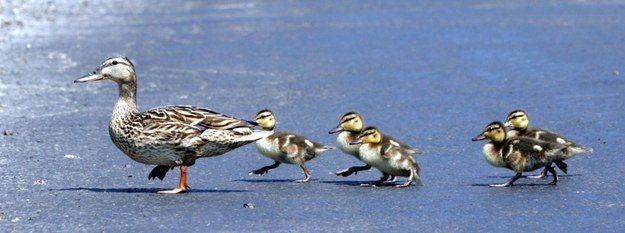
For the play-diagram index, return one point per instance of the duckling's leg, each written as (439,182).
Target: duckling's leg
(306,173)
(509,183)
(553,172)
(263,170)
(543,174)
(182,187)
(354,170)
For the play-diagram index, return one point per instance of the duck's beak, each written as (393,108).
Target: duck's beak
(479,137)
(356,141)
(94,76)
(339,128)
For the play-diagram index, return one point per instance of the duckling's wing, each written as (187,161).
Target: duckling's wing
(405,146)
(200,118)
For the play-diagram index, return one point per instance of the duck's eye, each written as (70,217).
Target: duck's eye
(114,62)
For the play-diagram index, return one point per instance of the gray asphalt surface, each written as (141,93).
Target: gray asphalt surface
(431,73)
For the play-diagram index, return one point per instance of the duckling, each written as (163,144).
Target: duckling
(387,155)
(168,136)
(518,119)
(285,147)
(349,127)
(520,153)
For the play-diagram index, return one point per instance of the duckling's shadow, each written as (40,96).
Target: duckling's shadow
(515,184)
(347,182)
(268,180)
(547,180)
(143,190)
(526,176)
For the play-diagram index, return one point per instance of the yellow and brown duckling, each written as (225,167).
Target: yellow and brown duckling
(168,136)
(350,126)
(519,121)
(388,156)
(520,153)
(285,147)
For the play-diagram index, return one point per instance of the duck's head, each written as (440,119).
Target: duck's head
(369,135)
(266,119)
(495,131)
(351,121)
(119,69)
(518,119)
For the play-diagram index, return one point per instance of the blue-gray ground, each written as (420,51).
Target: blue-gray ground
(431,73)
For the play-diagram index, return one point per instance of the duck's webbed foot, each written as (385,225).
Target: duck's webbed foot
(263,170)
(182,186)
(352,170)
(509,183)
(553,172)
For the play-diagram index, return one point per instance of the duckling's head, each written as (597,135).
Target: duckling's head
(351,121)
(369,135)
(518,119)
(119,69)
(495,131)
(266,119)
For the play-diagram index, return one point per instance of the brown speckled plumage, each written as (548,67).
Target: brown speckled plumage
(171,135)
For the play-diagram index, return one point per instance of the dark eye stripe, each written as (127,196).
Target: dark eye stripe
(347,119)
(515,116)
(262,116)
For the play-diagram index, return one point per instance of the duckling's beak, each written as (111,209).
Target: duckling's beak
(93,76)
(339,128)
(479,137)
(356,141)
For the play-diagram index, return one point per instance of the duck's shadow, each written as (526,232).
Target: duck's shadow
(143,190)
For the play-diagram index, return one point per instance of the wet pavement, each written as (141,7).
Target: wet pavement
(432,74)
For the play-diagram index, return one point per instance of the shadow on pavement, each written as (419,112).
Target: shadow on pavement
(143,190)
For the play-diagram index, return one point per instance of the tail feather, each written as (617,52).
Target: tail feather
(417,178)
(254,135)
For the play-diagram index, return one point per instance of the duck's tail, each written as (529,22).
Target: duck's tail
(253,135)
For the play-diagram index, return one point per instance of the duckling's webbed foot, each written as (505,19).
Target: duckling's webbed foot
(306,174)
(553,172)
(352,170)
(509,183)
(378,182)
(562,165)
(391,180)
(263,170)
(408,181)
(543,174)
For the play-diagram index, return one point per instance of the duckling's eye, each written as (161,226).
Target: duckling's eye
(114,62)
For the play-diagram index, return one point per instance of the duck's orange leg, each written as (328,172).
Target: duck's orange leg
(182,187)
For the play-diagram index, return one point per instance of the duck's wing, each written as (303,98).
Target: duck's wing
(199,118)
